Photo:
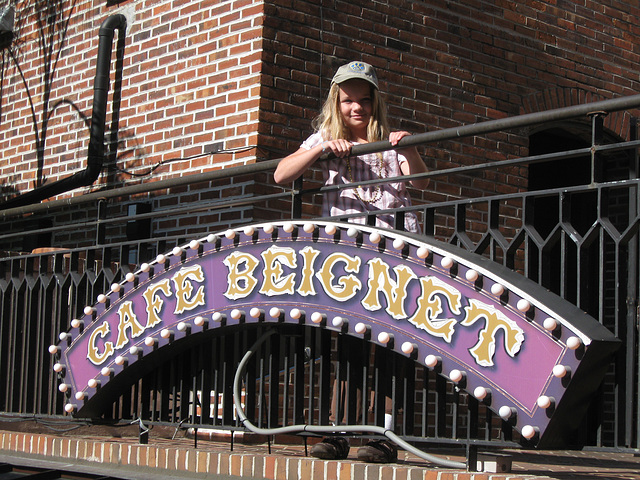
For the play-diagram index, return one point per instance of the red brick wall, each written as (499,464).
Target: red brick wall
(202,75)
(450,63)
(190,86)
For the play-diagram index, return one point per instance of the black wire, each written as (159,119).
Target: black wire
(181,159)
(56,425)
(51,425)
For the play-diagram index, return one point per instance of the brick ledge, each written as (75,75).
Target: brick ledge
(120,455)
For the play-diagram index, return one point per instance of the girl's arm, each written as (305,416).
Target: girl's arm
(414,163)
(294,165)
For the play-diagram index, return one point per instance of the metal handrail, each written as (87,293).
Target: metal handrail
(453,133)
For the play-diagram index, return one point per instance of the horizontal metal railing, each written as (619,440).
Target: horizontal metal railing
(42,293)
(454,133)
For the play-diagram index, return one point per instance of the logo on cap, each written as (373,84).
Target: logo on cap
(357,66)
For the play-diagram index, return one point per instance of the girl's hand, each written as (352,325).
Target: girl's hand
(395,137)
(294,165)
(340,148)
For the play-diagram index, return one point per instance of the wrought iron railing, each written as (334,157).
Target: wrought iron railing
(589,259)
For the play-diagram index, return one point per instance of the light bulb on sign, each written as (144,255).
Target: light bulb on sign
(407,348)
(446,262)
(375,238)
(398,244)
(361,328)
(472,275)
(330,229)
(529,432)
(337,322)
(384,338)
(550,324)
(432,361)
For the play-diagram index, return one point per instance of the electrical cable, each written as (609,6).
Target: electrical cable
(292,429)
(153,168)
(54,425)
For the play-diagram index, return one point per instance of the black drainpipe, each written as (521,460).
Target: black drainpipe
(96,151)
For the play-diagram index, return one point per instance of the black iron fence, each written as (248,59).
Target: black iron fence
(581,242)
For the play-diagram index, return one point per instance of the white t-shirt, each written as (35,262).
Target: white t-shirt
(339,171)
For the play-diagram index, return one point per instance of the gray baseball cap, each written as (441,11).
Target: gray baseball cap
(352,70)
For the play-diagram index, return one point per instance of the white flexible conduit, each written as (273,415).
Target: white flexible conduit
(292,429)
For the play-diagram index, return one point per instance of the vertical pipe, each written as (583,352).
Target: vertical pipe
(95,153)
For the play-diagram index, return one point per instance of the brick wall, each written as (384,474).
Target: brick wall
(444,64)
(203,76)
(189,93)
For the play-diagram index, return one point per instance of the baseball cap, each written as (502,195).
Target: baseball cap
(352,70)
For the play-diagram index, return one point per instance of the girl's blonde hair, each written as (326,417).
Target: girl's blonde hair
(330,122)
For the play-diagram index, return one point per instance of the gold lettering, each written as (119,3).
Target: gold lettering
(430,307)
(93,354)
(184,288)
(274,283)
(154,302)
(346,286)
(128,320)
(240,283)
(485,349)
(395,292)
(306,287)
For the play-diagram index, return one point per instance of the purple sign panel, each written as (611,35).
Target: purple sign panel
(500,337)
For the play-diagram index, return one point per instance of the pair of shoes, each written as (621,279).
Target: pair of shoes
(378,451)
(331,448)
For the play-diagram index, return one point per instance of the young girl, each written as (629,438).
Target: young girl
(355,113)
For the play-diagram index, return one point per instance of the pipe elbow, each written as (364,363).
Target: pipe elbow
(113,22)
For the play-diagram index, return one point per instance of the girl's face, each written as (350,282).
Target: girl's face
(356,107)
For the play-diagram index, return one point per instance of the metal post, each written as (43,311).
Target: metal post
(102,215)
(472,457)
(296,199)
(632,360)
(597,134)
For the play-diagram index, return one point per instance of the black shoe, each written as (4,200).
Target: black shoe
(331,448)
(378,451)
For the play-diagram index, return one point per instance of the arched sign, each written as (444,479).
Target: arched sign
(532,357)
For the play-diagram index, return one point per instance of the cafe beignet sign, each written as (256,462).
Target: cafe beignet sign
(489,333)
